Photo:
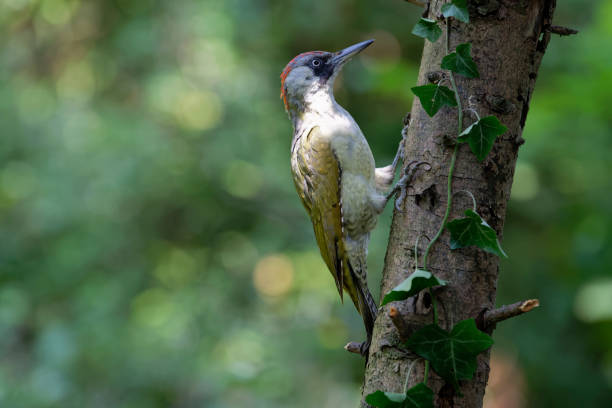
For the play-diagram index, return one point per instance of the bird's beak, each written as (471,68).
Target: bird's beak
(342,56)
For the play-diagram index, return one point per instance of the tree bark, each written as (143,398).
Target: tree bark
(509,38)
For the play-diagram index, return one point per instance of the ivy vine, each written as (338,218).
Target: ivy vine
(451,354)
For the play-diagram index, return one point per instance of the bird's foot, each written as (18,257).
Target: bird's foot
(404,182)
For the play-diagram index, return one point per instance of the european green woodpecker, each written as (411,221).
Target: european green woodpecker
(334,173)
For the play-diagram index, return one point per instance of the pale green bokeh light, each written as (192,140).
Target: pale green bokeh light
(526,185)
(593,303)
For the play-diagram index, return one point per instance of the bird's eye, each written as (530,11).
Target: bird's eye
(316,62)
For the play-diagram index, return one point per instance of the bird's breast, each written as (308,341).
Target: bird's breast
(353,152)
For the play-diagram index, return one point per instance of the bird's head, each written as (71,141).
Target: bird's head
(313,73)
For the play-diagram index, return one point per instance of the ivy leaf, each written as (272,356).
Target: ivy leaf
(433,97)
(416,282)
(481,134)
(427,28)
(473,230)
(419,396)
(386,399)
(457,9)
(461,61)
(452,355)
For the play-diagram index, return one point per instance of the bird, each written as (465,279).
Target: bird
(335,175)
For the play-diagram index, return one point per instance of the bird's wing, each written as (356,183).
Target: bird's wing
(317,176)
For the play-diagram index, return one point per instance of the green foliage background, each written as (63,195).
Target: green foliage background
(153,252)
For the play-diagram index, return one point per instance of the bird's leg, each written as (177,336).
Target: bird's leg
(400,153)
(385,175)
(404,182)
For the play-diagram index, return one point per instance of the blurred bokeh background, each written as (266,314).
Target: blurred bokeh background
(153,252)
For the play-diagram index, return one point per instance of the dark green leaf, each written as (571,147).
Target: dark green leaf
(433,97)
(415,283)
(427,28)
(419,396)
(386,399)
(461,61)
(457,9)
(473,230)
(480,135)
(452,355)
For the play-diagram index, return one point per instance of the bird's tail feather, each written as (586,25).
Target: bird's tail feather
(368,309)
(358,269)
(365,301)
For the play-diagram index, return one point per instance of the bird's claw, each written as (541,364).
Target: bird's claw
(404,182)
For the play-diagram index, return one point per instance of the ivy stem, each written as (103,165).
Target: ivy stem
(471,196)
(408,375)
(454,85)
(448,206)
(449,184)
(474,112)
(416,256)
(453,158)
(440,82)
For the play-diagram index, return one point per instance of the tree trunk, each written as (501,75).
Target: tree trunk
(508,39)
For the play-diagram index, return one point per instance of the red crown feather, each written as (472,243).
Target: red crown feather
(292,64)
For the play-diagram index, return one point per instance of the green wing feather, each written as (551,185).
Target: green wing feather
(317,174)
